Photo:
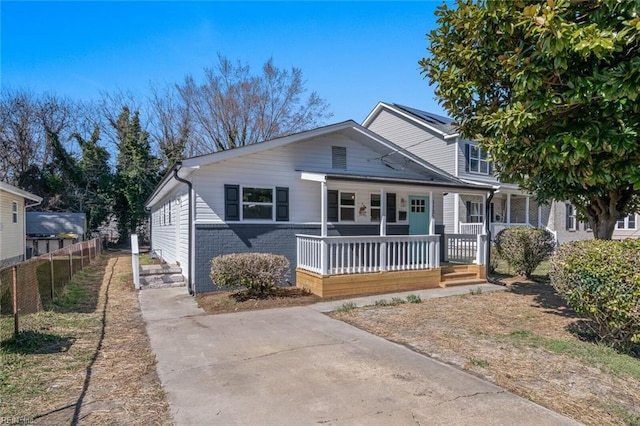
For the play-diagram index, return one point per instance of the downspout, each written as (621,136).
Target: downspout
(487,225)
(190,222)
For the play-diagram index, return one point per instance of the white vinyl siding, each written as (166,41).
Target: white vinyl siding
(12,236)
(416,139)
(280,167)
(163,232)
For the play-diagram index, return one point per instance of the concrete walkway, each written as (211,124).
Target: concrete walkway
(297,366)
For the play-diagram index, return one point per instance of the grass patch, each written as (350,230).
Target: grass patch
(346,307)
(479,362)
(414,298)
(589,353)
(475,291)
(50,345)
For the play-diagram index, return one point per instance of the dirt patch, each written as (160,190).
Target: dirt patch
(522,340)
(220,302)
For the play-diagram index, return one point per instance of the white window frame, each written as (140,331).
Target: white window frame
(478,157)
(373,208)
(573,220)
(480,213)
(243,203)
(14,211)
(346,206)
(625,222)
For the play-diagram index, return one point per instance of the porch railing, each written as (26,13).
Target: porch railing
(465,248)
(478,228)
(360,254)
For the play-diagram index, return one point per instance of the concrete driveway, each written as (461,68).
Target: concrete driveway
(296,366)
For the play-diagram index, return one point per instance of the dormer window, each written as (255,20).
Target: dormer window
(477,160)
(339,158)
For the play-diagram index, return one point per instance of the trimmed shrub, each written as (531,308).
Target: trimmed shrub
(524,248)
(601,280)
(258,272)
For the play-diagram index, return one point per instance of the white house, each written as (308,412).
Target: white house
(13,204)
(336,201)
(433,137)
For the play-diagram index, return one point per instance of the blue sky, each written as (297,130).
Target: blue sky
(353,54)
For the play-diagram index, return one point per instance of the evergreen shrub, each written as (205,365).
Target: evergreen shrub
(601,280)
(524,248)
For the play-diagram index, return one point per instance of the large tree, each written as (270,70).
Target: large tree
(136,173)
(235,107)
(551,89)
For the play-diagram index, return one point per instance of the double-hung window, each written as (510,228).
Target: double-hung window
(572,221)
(347,206)
(375,207)
(477,160)
(474,212)
(628,222)
(257,203)
(14,211)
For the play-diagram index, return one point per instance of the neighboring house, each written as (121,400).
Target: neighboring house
(13,204)
(336,201)
(433,137)
(48,231)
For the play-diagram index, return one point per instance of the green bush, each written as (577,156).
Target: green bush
(524,248)
(494,261)
(601,280)
(258,272)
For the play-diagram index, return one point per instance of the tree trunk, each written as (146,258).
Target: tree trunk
(604,211)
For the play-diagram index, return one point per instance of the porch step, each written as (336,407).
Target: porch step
(456,276)
(160,276)
(164,268)
(453,283)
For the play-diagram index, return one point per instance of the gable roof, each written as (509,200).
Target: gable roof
(48,223)
(443,126)
(348,128)
(19,192)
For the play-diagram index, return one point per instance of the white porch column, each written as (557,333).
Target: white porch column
(323,228)
(383,212)
(432,216)
(539,216)
(383,229)
(456,213)
(526,209)
(508,210)
(484,215)
(323,209)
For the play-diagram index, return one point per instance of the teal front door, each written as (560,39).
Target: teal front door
(418,215)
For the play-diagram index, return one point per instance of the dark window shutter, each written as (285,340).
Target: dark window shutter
(468,205)
(282,204)
(232,202)
(391,207)
(467,149)
(568,209)
(332,206)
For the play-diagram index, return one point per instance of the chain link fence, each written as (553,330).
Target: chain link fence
(28,287)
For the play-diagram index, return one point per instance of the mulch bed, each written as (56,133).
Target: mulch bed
(220,302)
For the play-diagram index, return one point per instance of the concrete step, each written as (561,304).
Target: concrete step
(160,269)
(161,279)
(454,283)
